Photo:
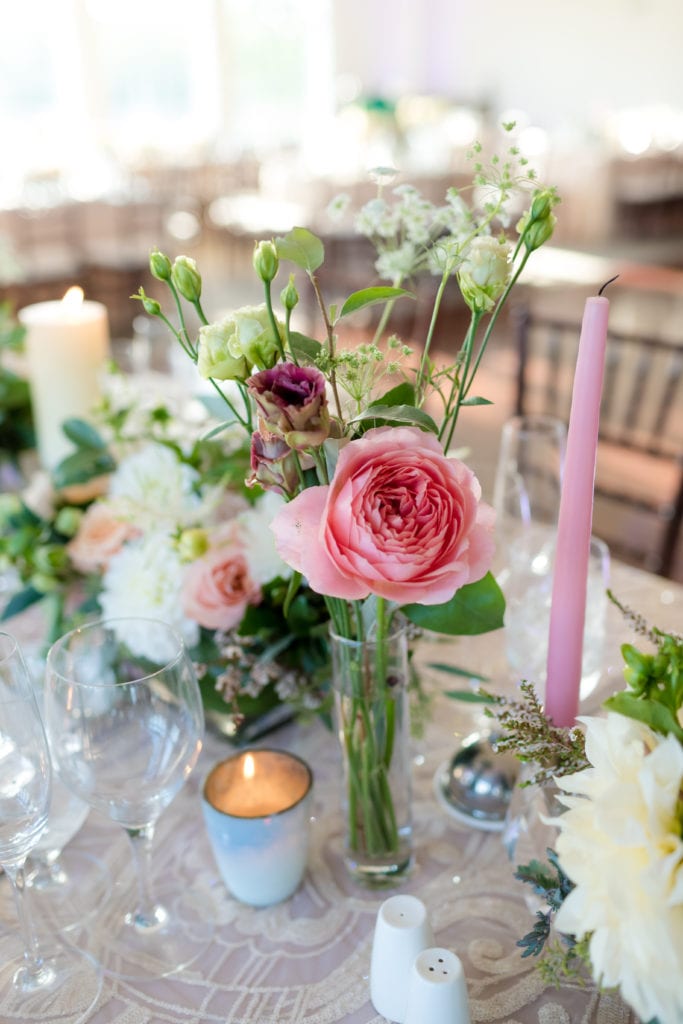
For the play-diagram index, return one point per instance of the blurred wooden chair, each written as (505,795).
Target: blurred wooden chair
(639,474)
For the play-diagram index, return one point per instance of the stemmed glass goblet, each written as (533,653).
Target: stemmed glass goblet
(59,984)
(125,720)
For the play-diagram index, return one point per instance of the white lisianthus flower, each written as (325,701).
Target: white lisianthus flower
(259,540)
(620,843)
(484,272)
(144,580)
(152,487)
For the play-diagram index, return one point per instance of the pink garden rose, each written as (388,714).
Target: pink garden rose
(399,520)
(218,586)
(101,535)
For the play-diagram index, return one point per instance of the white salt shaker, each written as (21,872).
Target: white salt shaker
(437,992)
(402,931)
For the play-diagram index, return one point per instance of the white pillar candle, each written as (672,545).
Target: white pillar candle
(67,344)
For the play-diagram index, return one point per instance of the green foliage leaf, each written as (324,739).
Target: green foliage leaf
(370,297)
(453,670)
(303,348)
(659,717)
(401,394)
(468,696)
(20,601)
(83,434)
(83,465)
(476,400)
(302,248)
(398,415)
(476,608)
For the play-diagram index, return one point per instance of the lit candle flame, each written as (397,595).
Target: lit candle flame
(249,767)
(73,297)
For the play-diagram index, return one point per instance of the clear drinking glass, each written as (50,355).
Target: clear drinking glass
(125,721)
(43,981)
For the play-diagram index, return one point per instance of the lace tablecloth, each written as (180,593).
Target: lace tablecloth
(306,961)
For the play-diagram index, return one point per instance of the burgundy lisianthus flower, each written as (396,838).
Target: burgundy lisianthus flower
(273,463)
(292,404)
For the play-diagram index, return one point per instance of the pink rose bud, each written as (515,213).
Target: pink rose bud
(292,404)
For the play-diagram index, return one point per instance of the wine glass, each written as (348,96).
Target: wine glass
(527,503)
(39,980)
(125,720)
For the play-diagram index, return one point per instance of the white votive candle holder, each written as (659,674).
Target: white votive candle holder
(437,992)
(256,811)
(402,931)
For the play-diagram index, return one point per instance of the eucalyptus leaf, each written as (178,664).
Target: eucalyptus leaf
(475,608)
(83,434)
(301,247)
(398,414)
(82,466)
(371,296)
(20,601)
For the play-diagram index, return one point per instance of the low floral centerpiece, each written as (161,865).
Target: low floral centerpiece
(379,517)
(613,884)
(379,527)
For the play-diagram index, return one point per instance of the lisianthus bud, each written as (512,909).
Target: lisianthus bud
(292,403)
(484,272)
(542,205)
(160,266)
(265,261)
(289,296)
(150,306)
(539,231)
(186,278)
(50,559)
(214,358)
(193,543)
(273,464)
(68,520)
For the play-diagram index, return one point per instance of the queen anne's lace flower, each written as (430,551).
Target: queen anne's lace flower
(620,843)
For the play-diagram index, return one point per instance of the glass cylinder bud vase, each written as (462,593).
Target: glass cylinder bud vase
(370,680)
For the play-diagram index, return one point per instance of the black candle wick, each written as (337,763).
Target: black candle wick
(607,282)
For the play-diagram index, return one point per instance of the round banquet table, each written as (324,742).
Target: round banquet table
(306,961)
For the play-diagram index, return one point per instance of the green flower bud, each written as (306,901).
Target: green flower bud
(193,544)
(43,583)
(265,261)
(539,232)
(68,520)
(150,306)
(160,266)
(289,296)
(542,205)
(50,559)
(186,278)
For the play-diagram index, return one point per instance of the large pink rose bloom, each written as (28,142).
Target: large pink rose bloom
(218,587)
(399,520)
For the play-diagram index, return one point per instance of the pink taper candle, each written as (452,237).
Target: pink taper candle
(568,609)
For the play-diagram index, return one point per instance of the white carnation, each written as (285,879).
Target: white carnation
(620,843)
(152,487)
(144,581)
(259,540)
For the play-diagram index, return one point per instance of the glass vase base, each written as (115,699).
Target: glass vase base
(380,872)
